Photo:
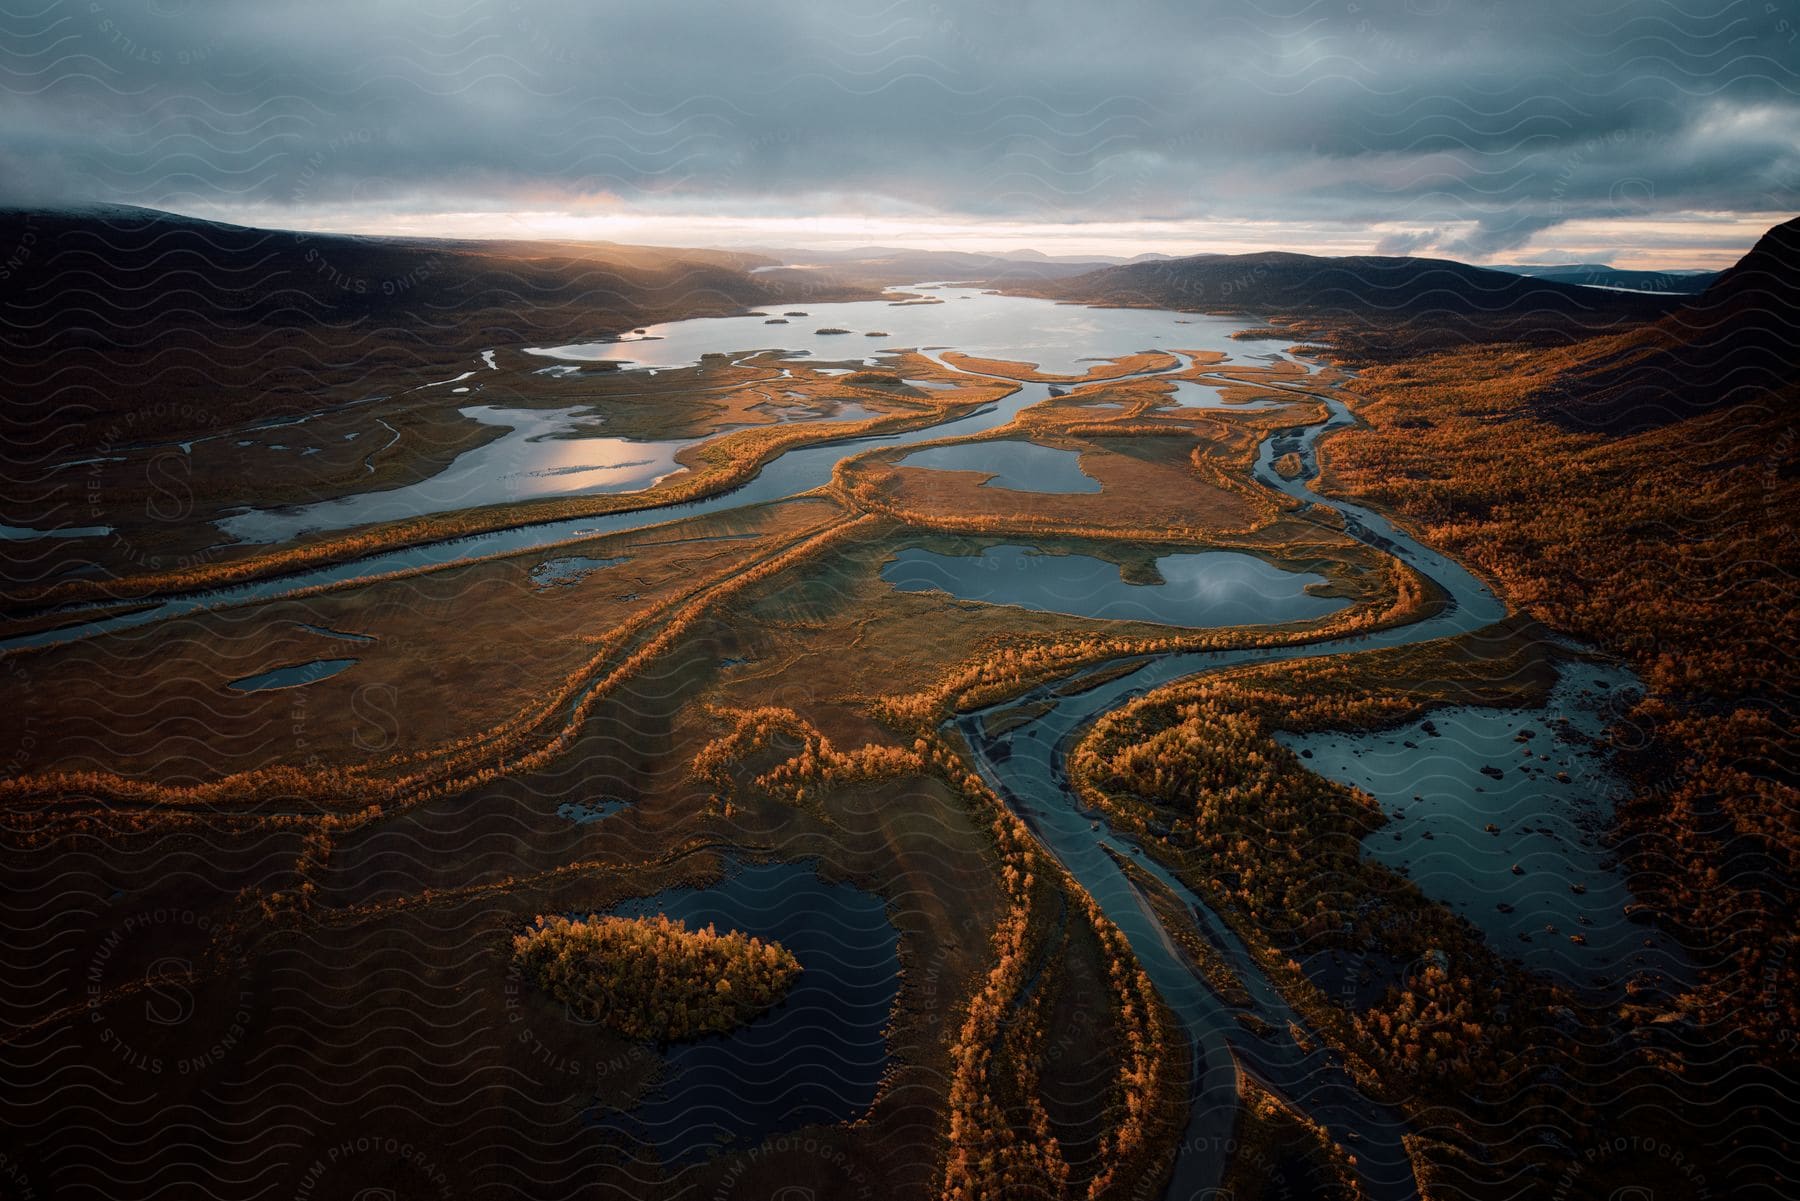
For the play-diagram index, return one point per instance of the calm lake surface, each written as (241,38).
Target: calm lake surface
(1062,339)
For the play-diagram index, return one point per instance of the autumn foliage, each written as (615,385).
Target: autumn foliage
(653,977)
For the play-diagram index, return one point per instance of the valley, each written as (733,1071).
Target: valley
(1044,683)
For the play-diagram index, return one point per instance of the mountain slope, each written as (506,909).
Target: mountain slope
(897,266)
(126,324)
(1740,340)
(1634,491)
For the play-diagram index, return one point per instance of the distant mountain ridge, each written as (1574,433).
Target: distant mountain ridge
(888,265)
(1599,275)
(1364,286)
(1641,358)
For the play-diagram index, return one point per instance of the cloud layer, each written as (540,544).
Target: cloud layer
(1462,127)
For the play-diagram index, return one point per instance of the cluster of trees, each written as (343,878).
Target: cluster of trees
(826,767)
(1283,1153)
(1232,474)
(1140,1145)
(653,977)
(815,764)
(990,1157)
(285,906)
(993,1156)
(1672,547)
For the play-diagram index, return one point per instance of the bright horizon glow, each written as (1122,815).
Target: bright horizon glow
(1704,241)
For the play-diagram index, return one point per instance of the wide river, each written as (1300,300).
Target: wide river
(1027,765)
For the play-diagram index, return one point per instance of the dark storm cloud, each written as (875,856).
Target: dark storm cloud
(1515,115)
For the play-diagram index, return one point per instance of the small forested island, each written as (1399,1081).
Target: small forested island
(653,977)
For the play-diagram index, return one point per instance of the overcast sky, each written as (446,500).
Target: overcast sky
(1642,133)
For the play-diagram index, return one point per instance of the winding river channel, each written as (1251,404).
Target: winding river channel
(1027,765)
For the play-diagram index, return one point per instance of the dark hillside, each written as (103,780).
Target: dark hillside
(1738,341)
(128,324)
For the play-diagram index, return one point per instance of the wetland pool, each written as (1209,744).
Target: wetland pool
(1473,793)
(1010,463)
(293,676)
(818,1056)
(1199,589)
(544,452)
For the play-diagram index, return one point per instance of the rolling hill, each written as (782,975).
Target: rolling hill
(1738,341)
(1375,303)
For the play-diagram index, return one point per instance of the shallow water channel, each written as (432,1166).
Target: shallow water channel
(1028,767)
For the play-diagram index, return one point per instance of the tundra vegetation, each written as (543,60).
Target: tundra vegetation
(652,977)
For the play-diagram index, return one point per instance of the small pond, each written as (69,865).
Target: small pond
(1207,588)
(22,533)
(568,569)
(585,813)
(819,1056)
(293,676)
